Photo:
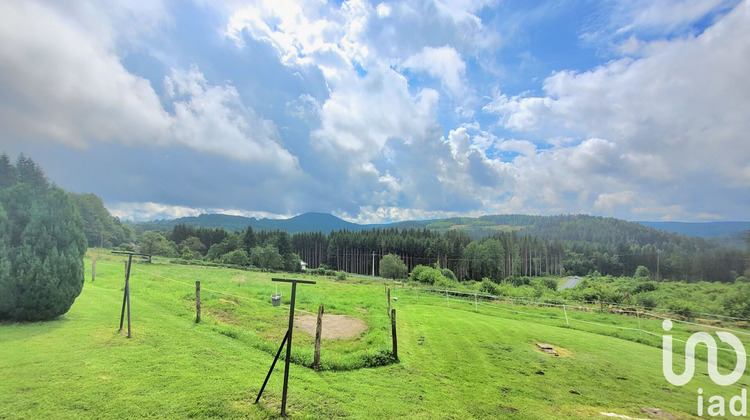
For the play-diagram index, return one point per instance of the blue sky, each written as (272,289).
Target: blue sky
(385,111)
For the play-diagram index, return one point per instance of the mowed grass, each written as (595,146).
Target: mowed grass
(455,363)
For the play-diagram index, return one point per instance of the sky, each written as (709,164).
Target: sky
(385,111)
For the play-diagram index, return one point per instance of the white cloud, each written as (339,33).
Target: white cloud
(383,10)
(519,146)
(139,211)
(443,63)
(305,33)
(360,118)
(459,141)
(609,202)
(61,83)
(662,15)
(663,121)
(213,118)
(677,113)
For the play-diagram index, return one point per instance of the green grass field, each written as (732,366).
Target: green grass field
(458,361)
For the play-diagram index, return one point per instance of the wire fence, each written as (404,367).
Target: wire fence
(498,303)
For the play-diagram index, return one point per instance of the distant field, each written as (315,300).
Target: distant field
(459,359)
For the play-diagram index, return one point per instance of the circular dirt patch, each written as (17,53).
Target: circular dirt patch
(334,326)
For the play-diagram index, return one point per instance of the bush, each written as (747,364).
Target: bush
(448,274)
(641,272)
(487,287)
(681,308)
(443,283)
(340,276)
(647,286)
(645,301)
(236,257)
(392,267)
(42,243)
(518,281)
(416,271)
(550,284)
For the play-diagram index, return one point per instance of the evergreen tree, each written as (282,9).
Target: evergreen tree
(7,172)
(31,174)
(42,247)
(249,239)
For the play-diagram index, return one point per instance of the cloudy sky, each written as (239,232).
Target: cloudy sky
(385,111)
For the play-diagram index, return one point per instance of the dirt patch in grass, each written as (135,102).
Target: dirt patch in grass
(558,351)
(334,326)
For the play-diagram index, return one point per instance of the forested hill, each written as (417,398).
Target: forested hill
(605,231)
(307,222)
(495,247)
(732,234)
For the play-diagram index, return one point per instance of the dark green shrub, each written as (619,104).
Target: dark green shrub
(488,287)
(448,274)
(42,244)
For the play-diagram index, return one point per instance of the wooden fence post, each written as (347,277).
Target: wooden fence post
(393,334)
(388,296)
(93,270)
(318,335)
(197,301)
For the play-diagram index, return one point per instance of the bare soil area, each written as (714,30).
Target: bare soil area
(334,326)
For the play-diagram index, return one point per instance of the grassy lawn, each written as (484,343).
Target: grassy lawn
(457,362)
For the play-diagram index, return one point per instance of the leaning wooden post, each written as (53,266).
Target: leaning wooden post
(318,334)
(566,315)
(197,301)
(388,296)
(640,332)
(393,334)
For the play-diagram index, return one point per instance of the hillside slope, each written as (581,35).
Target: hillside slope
(455,363)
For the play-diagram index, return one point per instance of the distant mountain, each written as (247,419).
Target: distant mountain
(731,234)
(322,222)
(562,227)
(307,222)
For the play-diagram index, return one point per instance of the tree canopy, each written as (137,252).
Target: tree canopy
(42,244)
(392,267)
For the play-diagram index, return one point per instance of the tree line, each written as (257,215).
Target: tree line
(499,256)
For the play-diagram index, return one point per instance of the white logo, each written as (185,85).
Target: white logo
(692,342)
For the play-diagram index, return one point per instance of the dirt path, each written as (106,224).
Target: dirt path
(334,326)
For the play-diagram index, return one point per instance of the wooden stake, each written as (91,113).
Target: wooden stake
(318,334)
(93,270)
(388,296)
(197,301)
(640,332)
(393,334)
(566,315)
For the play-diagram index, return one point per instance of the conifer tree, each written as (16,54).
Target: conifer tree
(42,244)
